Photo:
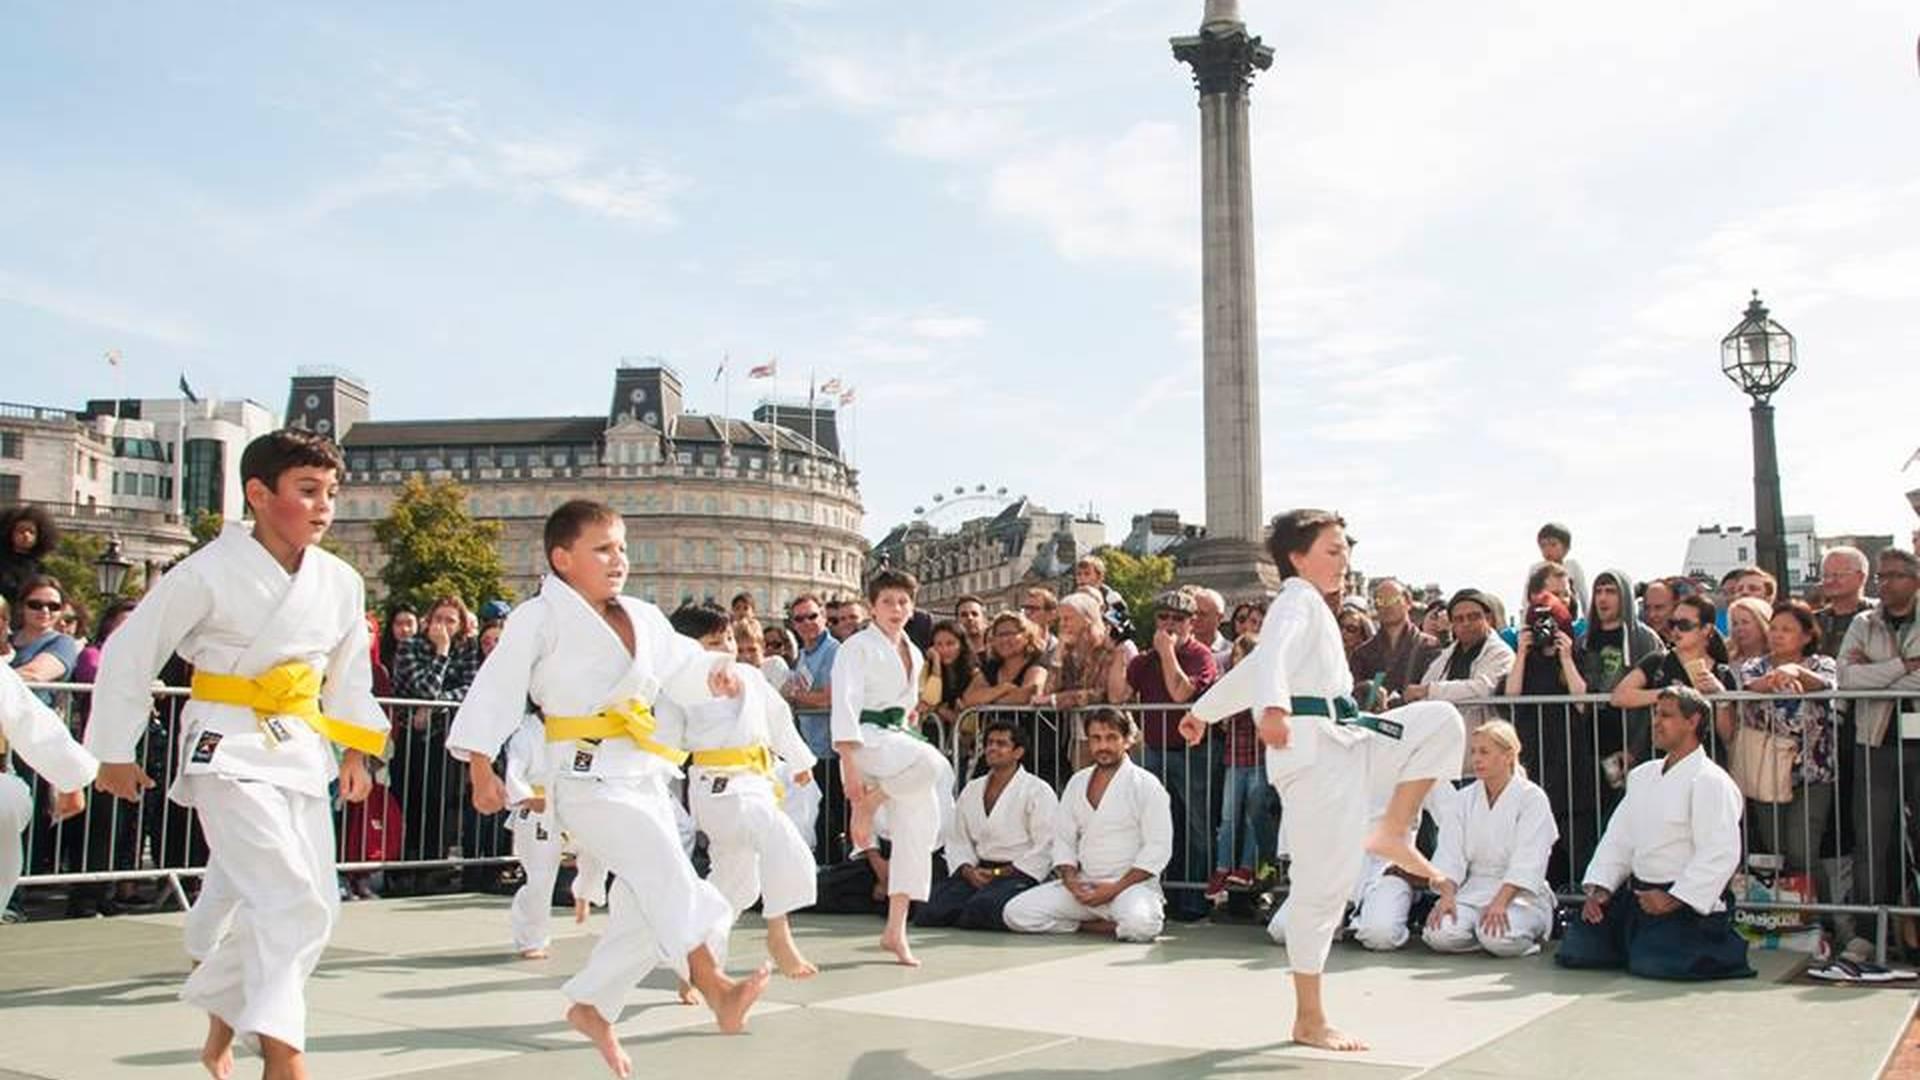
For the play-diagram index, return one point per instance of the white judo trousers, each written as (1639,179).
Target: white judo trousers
(913,807)
(536,843)
(273,848)
(1529,922)
(754,849)
(1327,806)
(1137,914)
(659,909)
(16,813)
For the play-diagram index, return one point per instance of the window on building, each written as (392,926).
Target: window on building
(149,485)
(509,460)
(687,504)
(649,553)
(203,469)
(710,553)
(457,460)
(9,488)
(1742,557)
(11,448)
(709,459)
(711,506)
(559,459)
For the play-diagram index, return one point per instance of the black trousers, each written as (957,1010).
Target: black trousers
(954,902)
(1683,945)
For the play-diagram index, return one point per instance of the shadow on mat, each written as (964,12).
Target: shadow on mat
(896,1065)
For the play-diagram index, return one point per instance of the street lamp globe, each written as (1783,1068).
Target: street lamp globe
(1759,354)
(110,569)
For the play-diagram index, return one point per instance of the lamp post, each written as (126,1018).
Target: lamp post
(110,569)
(1758,356)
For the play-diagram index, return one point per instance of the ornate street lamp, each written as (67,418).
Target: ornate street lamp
(110,569)
(1758,356)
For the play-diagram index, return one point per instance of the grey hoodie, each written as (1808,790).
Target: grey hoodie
(1639,642)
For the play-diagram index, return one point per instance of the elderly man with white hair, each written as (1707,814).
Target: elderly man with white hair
(1844,571)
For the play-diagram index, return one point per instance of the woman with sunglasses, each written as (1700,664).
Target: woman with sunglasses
(41,653)
(1698,659)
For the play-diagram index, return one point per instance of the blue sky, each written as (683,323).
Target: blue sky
(1498,246)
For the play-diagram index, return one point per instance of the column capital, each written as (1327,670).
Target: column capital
(1223,58)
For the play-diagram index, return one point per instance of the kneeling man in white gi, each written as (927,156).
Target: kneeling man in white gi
(1111,840)
(1675,839)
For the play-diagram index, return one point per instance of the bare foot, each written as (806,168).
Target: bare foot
(896,943)
(1326,1037)
(217,1053)
(587,1020)
(793,965)
(1401,853)
(534,954)
(688,995)
(730,1005)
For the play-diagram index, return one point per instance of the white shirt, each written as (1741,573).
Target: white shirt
(37,735)
(1299,655)
(563,655)
(1483,847)
(1680,825)
(758,717)
(1132,828)
(231,608)
(868,673)
(1019,830)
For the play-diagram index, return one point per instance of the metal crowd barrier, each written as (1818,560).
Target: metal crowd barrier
(1855,838)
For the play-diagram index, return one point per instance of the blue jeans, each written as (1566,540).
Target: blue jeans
(1185,774)
(1245,801)
(816,730)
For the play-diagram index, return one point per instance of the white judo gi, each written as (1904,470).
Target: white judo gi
(868,678)
(37,734)
(1382,901)
(1486,846)
(1679,825)
(611,796)
(257,774)
(1132,828)
(1018,831)
(537,841)
(1329,773)
(742,748)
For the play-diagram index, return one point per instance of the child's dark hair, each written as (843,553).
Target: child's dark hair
(889,578)
(699,620)
(268,457)
(1294,532)
(570,519)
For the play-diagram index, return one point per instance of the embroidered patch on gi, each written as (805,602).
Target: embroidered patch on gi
(720,783)
(203,747)
(540,832)
(583,759)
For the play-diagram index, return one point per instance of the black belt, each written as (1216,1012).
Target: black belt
(1637,885)
(1344,710)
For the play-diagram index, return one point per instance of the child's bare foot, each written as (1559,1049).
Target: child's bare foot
(217,1053)
(791,964)
(1399,851)
(688,995)
(1325,1037)
(731,1004)
(587,1020)
(895,942)
(534,954)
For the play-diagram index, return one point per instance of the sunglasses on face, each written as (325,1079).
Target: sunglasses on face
(43,605)
(809,617)
(1683,626)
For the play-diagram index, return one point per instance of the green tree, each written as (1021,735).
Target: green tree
(435,548)
(1138,580)
(73,563)
(206,526)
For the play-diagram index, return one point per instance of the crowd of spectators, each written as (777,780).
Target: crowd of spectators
(1824,783)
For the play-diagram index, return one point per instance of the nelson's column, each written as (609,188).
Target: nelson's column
(1231,557)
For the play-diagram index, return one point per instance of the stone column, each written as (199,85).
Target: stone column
(1224,57)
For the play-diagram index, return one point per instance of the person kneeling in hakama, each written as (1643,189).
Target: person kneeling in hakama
(1675,840)
(1000,843)
(1495,838)
(1112,837)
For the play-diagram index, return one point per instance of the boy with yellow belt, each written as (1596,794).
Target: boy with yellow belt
(276,631)
(594,662)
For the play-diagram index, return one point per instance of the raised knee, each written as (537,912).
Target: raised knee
(1451,939)
(1506,946)
(1139,928)
(1381,938)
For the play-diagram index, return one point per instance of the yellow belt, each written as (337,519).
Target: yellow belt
(291,689)
(756,759)
(628,720)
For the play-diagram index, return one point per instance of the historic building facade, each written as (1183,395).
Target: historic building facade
(714,506)
(992,557)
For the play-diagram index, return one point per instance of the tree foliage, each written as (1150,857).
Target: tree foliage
(73,563)
(435,548)
(206,526)
(1138,579)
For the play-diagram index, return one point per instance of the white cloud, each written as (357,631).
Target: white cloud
(1132,197)
(946,327)
(102,312)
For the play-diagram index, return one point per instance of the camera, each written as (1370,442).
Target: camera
(1543,626)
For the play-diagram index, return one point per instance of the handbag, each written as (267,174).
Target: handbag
(1762,764)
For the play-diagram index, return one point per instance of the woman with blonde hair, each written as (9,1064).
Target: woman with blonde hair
(1495,838)
(1093,671)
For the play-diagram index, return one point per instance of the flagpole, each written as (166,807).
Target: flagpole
(180,458)
(813,409)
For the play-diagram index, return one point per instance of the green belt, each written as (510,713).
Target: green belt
(894,718)
(1344,710)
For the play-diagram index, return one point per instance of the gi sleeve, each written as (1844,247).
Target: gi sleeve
(1716,806)
(40,738)
(1613,859)
(1260,680)
(1533,835)
(1066,823)
(1450,850)
(123,692)
(346,693)
(679,662)
(1042,812)
(782,734)
(1156,825)
(849,686)
(670,723)
(960,848)
(520,750)
(497,700)
(589,877)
